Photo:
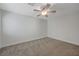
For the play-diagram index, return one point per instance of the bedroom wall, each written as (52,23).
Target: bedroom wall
(64,27)
(0,28)
(21,28)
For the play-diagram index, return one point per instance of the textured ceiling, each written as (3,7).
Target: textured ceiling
(25,9)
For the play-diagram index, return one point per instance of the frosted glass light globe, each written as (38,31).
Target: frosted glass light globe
(44,13)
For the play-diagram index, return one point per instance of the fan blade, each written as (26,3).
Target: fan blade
(38,14)
(54,11)
(36,10)
(48,5)
(32,4)
(46,15)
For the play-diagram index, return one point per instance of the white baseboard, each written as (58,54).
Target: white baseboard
(74,43)
(39,38)
(14,43)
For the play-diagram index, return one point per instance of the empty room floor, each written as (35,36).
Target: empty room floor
(41,47)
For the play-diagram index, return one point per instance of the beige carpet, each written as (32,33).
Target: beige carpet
(41,47)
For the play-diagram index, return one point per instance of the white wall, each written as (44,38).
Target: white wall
(0,29)
(64,27)
(20,28)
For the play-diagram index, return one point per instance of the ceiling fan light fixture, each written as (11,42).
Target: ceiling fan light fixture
(44,13)
(44,9)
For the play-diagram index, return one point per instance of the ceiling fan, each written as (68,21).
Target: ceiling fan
(44,9)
